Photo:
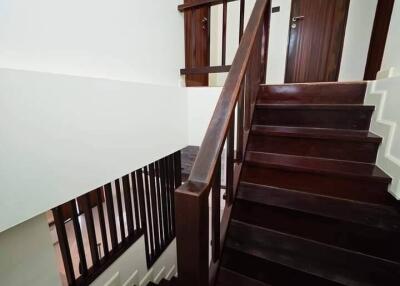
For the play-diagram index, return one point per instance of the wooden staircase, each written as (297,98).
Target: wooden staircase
(312,207)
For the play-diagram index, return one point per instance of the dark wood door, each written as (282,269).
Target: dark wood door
(316,35)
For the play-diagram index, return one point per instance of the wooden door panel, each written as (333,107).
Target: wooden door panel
(315,44)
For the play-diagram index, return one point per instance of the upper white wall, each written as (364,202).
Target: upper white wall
(122,39)
(278,42)
(62,136)
(360,22)
(391,58)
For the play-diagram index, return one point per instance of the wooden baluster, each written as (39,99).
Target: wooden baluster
(143,216)
(150,225)
(177,169)
(136,204)
(216,212)
(247,99)
(78,237)
(120,209)
(241,20)
(111,215)
(267,17)
(171,190)
(91,229)
(128,204)
(154,213)
(159,202)
(64,245)
(164,189)
(224,16)
(240,125)
(103,231)
(230,161)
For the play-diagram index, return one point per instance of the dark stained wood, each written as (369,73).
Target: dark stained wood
(171,190)
(128,204)
(197,42)
(111,215)
(216,213)
(149,212)
(177,169)
(143,214)
(230,150)
(192,225)
(119,207)
(91,230)
(78,238)
(227,278)
(135,201)
(340,265)
(316,43)
(205,70)
(316,93)
(241,19)
(102,223)
(377,45)
(224,17)
(355,117)
(313,142)
(200,3)
(64,246)
(164,197)
(153,197)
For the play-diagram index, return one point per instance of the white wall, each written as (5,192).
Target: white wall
(278,42)
(391,58)
(27,256)
(357,38)
(200,107)
(121,39)
(62,136)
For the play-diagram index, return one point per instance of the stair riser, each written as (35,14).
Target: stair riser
(324,184)
(343,119)
(324,148)
(267,272)
(314,94)
(356,237)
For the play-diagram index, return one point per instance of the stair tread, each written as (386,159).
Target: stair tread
(315,106)
(317,165)
(320,133)
(328,262)
(228,277)
(384,217)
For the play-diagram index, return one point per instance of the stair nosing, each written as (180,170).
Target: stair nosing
(307,106)
(254,162)
(300,132)
(246,184)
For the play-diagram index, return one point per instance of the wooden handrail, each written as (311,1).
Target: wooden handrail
(201,3)
(247,72)
(217,131)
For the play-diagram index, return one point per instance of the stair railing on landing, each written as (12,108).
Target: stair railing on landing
(248,71)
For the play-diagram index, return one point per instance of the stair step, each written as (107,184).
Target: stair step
(269,272)
(343,116)
(343,179)
(331,263)
(227,277)
(378,216)
(315,93)
(345,234)
(361,146)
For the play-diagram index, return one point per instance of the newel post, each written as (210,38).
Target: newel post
(192,234)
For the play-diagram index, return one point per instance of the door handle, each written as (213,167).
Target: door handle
(297,18)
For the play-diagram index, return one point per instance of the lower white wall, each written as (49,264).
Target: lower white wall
(384,94)
(27,256)
(130,269)
(201,105)
(62,136)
